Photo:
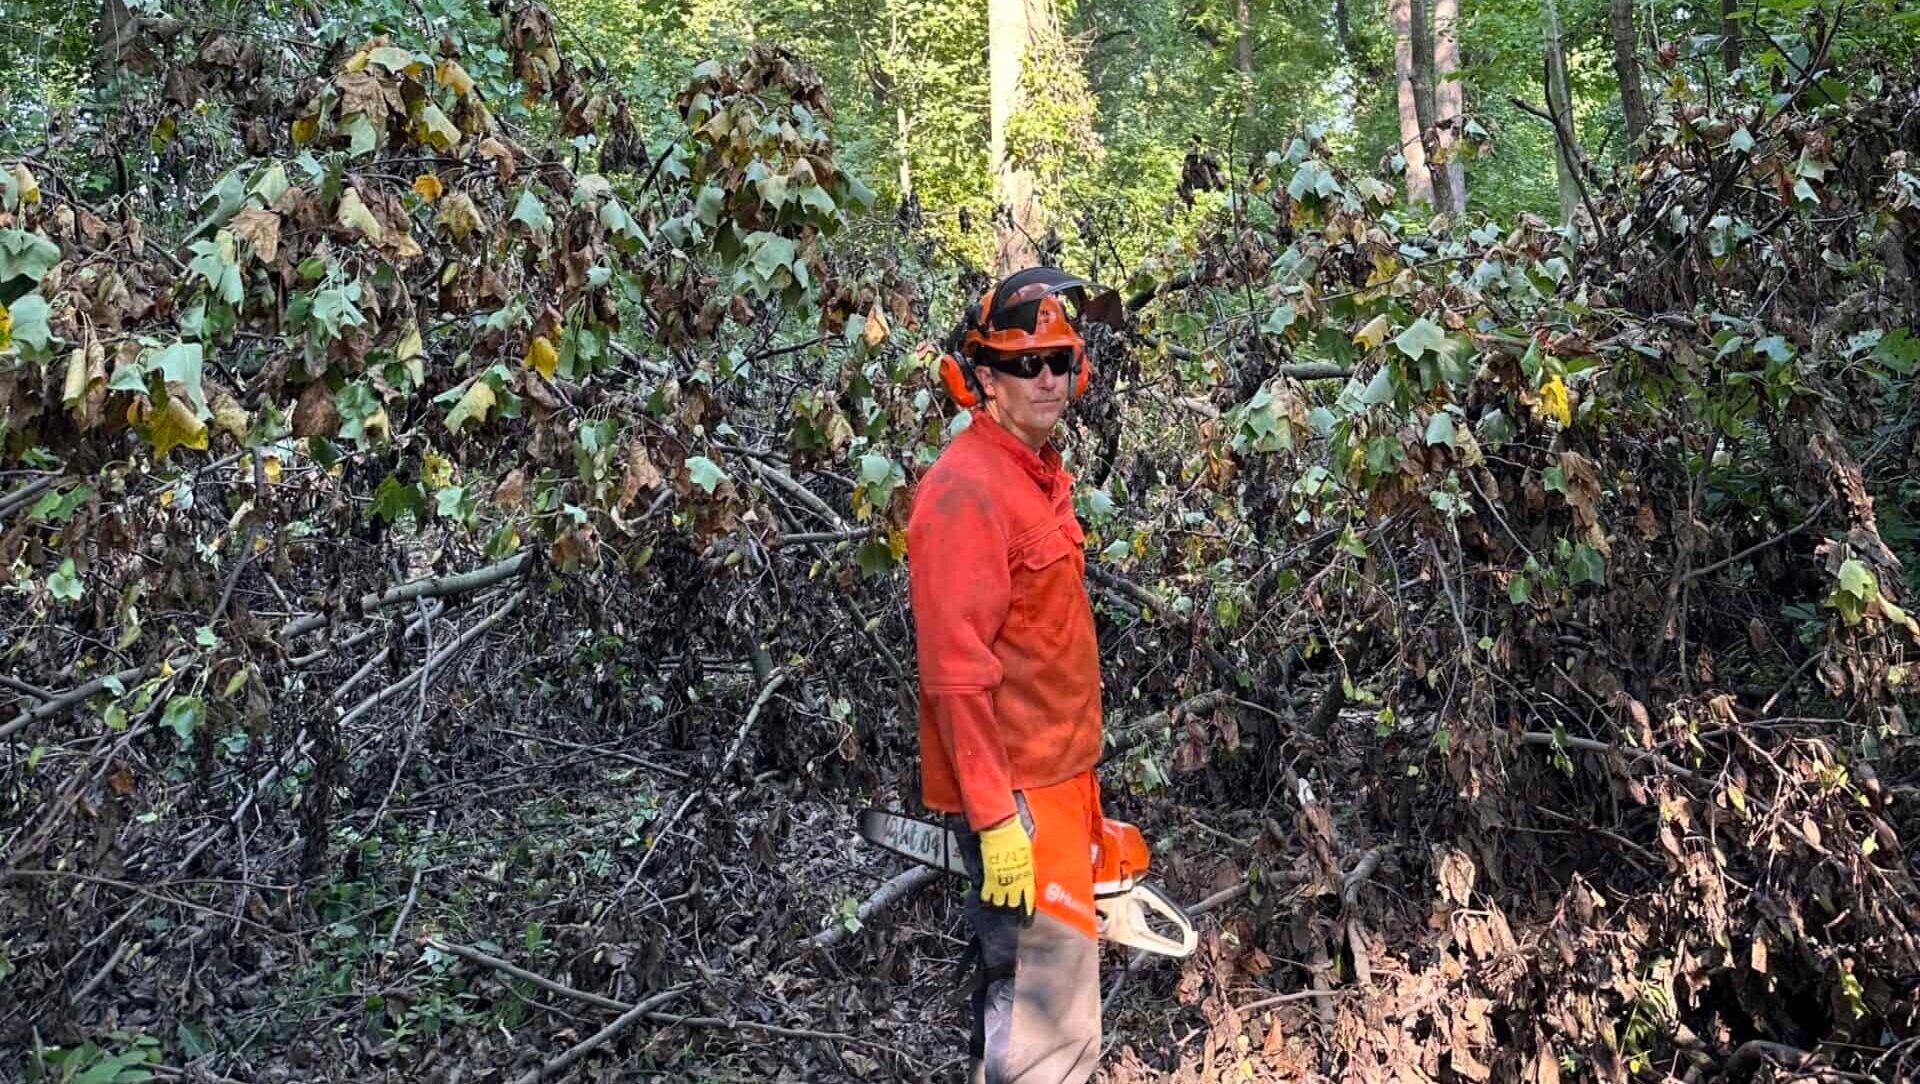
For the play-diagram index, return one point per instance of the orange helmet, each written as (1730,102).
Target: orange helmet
(1034,310)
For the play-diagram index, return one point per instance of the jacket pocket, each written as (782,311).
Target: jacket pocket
(1045,580)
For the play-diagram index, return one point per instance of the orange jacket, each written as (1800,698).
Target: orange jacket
(1009,666)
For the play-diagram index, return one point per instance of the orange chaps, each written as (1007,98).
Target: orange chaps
(1036,1008)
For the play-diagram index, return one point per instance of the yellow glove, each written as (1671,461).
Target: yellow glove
(1007,855)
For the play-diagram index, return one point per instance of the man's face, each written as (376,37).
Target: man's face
(1028,408)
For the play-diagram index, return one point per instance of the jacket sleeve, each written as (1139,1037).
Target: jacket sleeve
(960,585)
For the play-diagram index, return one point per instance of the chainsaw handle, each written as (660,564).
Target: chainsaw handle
(1124,921)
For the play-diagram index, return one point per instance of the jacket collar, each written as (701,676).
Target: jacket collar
(1043,467)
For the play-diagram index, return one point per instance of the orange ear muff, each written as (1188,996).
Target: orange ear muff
(955,380)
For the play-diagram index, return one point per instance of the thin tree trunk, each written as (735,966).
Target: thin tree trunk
(1626,65)
(1730,35)
(1421,37)
(1449,96)
(1243,11)
(1419,184)
(1365,66)
(1566,157)
(1009,25)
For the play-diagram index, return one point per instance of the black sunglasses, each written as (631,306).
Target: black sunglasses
(1027,366)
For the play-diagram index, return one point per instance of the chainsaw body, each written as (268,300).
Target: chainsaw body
(1128,910)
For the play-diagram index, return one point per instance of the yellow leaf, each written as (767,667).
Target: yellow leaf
(24,184)
(408,347)
(304,129)
(459,216)
(449,73)
(270,467)
(76,386)
(542,357)
(174,426)
(473,406)
(428,186)
(6,328)
(354,216)
(1374,333)
(435,130)
(358,61)
(876,330)
(166,667)
(377,427)
(436,471)
(1553,401)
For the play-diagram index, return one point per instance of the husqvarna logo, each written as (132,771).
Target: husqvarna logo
(1058,896)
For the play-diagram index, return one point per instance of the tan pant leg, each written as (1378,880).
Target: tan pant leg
(1036,1009)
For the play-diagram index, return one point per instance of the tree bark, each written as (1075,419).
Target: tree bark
(1626,65)
(1421,37)
(1566,153)
(1730,35)
(1419,184)
(1367,67)
(1009,25)
(1243,11)
(1449,96)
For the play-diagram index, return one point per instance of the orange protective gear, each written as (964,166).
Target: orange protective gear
(1028,312)
(1009,665)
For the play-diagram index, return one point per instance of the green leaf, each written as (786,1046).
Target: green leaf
(1380,388)
(395,498)
(1586,566)
(615,220)
(770,253)
(394,59)
(64,583)
(1741,140)
(31,335)
(1279,320)
(530,212)
(1553,479)
(875,557)
(1857,580)
(183,363)
(57,506)
(1421,337)
(184,714)
(1440,429)
(362,137)
(27,255)
(705,473)
(1519,589)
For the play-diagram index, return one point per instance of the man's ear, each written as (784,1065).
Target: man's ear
(983,379)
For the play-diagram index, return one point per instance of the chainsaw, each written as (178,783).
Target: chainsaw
(1127,909)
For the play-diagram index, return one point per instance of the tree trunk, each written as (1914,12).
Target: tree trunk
(1626,65)
(1017,219)
(1449,96)
(1419,185)
(1730,35)
(1566,153)
(1366,67)
(1243,11)
(1421,36)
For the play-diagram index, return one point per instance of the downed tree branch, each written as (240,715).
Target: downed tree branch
(1121,740)
(598,1039)
(81,692)
(895,890)
(474,955)
(429,587)
(413,680)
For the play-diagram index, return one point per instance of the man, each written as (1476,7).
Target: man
(1010,677)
